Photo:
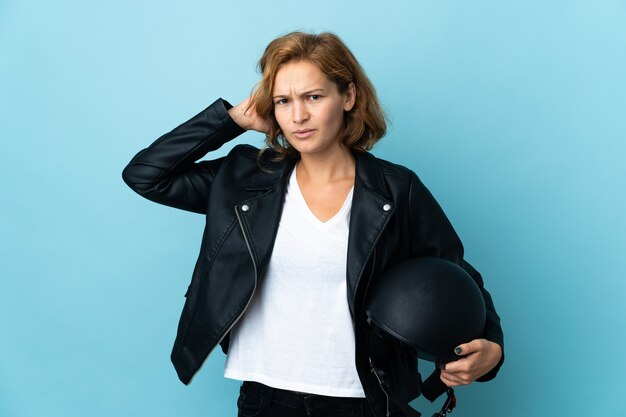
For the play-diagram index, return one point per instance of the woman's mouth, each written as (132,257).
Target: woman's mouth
(304,133)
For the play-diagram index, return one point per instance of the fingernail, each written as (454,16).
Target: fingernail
(458,350)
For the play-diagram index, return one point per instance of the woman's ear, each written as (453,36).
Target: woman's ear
(350,97)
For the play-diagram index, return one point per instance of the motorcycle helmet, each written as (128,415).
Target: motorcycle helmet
(432,305)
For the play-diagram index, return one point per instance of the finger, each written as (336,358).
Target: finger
(459,365)
(469,347)
(447,381)
(457,379)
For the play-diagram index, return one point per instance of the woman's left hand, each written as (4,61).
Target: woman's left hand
(479,357)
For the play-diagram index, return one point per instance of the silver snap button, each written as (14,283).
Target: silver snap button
(245,207)
(386,207)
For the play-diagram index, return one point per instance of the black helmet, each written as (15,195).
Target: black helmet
(430,304)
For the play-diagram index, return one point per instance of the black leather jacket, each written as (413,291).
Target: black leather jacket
(394,217)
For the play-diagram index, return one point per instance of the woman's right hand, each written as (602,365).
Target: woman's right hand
(248,120)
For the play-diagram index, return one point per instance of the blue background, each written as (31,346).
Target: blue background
(512,112)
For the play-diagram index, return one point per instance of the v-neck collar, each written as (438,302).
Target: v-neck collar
(307,210)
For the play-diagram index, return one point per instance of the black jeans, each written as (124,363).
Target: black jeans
(258,400)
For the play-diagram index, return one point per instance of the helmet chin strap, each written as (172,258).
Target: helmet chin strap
(431,393)
(449,405)
(433,386)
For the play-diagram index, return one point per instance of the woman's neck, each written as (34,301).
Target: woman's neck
(324,169)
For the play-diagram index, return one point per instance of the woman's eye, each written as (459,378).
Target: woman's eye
(314,97)
(281,101)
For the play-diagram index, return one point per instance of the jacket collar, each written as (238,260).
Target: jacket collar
(271,173)
(368,173)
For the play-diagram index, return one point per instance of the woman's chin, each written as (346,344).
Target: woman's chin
(307,147)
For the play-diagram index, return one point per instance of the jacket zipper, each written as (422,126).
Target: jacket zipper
(381,384)
(369,279)
(245,238)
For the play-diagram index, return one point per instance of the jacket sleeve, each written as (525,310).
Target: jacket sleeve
(434,236)
(166,172)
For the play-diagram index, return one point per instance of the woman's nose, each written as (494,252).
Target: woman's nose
(299,112)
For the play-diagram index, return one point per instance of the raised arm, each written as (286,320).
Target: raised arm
(166,172)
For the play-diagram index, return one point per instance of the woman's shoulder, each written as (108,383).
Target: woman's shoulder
(389,179)
(246,153)
(253,165)
(392,169)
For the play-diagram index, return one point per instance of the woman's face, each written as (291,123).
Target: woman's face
(309,108)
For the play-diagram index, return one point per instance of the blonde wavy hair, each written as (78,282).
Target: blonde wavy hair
(364,124)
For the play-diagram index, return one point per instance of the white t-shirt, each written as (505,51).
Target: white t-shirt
(297,332)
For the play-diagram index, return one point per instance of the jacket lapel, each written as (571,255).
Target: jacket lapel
(371,210)
(263,199)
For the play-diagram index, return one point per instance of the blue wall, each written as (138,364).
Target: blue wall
(512,112)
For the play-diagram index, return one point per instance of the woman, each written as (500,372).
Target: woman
(296,233)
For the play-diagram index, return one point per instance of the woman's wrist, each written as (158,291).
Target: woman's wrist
(238,117)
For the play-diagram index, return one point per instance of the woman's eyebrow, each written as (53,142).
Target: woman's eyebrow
(306,93)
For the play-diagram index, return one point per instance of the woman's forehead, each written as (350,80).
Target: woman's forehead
(299,77)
